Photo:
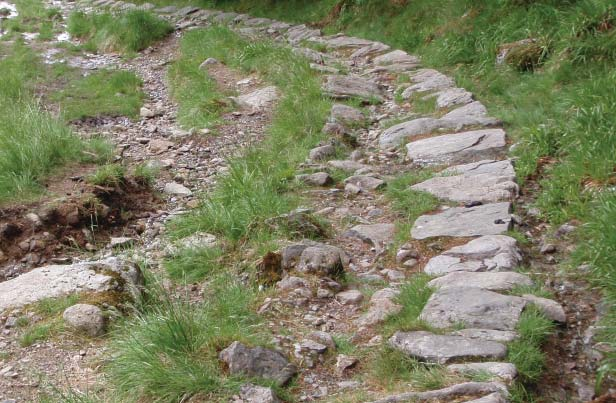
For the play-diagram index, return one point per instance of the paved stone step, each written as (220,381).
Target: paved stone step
(427,80)
(497,281)
(373,234)
(487,253)
(502,336)
(457,148)
(344,87)
(487,219)
(442,349)
(473,308)
(450,393)
(485,188)
(503,370)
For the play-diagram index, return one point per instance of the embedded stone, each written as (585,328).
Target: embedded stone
(395,57)
(365,182)
(373,234)
(458,147)
(442,349)
(493,281)
(258,99)
(343,87)
(453,97)
(485,188)
(322,152)
(502,336)
(473,308)
(550,308)
(85,318)
(503,370)
(316,179)
(346,114)
(346,165)
(487,219)
(350,297)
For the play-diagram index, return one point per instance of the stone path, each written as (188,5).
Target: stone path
(471,313)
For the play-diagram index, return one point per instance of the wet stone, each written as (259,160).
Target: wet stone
(442,349)
(488,219)
(473,308)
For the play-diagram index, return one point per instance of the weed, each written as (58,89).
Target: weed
(127,32)
(38,332)
(192,265)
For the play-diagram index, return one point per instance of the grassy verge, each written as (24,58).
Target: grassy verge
(34,17)
(127,32)
(33,144)
(103,93)
(255,187)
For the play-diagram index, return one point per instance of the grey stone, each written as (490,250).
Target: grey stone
(502,336)
(316,179)
(298,33)
(400,133)
(121,242)
(378,312)
(178,189)
(258,99)
(502,168)
(85,318)
(365,182)
(453,97)
(316,258)
(322,152)
(350,297)
(146,113)
(473,308)
(474,109)
(352,189)
(342,41)
(495,397)
(346,165)
(292,283)
(323,338)
(503,370)
(312,346)
(458,147)
(310,54)
(111,274)
(250,393)
(487,253)
(493,281)
(344,362)
(346,114)
(370,50)
(373,234)
(442,349)
(395,57)
(550,308)
(449,394)
(487,219)
(427,80)
(208,62)
(258,362)
(485,188)
(342,87)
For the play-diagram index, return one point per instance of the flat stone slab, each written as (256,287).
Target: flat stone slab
(298,33)
(495,397)
(345,114)
(503,370)
(60,280)
(373,234)
(442,349)
(453,97)
(343,87)
(502,168)
(370,50)
(487,219)
(427,80)
(493,281)
(457,148)
(259,99)
(347,165)
(487,253)
(502,336)
(366,182)
(473,308)
(485,188)
(395,57)
(342,41)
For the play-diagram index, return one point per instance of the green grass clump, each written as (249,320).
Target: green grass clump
(192,265)
(255,187)
(145,175)
(103,93)
(127,32)
(34,17)
(413,297)
(170,351)
(525,352)
(108,175)
(408,202)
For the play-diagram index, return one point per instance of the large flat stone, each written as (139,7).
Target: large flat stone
(395,57)
(111,274)
(427,80)
(502,168)
(373,234)
(453,97)
(493,281)
(259,99)
(502,336)
(473,308)
(485,188)
(342,41)
(503,370)
(343,87)
(487,219)
(457,148)
(441,349)
(487,253)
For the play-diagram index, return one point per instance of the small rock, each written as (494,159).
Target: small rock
(85,318)
(547,249)
(350,297)
(323,338)
(146,113)
(322,152)
(250,393)
(121,242)
(550,308)
(316,179)
(174,188)
(344,362)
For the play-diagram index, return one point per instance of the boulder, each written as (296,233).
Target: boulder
(257,362)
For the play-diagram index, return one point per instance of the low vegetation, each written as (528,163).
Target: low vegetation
(126,32)
(102,93)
